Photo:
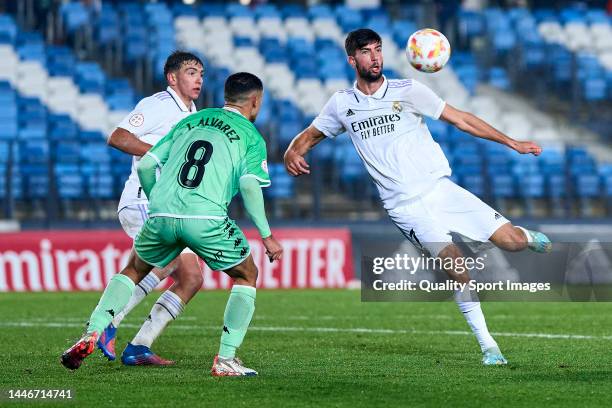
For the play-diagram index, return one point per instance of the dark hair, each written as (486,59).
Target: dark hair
(239,85)
(359,38)
(175,61)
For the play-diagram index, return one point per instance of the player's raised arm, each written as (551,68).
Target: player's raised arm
(475,126)
(294,156)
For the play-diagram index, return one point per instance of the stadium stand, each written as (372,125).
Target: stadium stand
(59,107)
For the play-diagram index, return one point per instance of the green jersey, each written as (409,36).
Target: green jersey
(202,160)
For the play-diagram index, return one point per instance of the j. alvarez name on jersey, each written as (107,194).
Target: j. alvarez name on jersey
(217,123)
(375,126)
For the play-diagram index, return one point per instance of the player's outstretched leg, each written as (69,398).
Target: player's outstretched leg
(238,313)
(511,238)
(188,280)
(106,342)
(113,300)
(470,307)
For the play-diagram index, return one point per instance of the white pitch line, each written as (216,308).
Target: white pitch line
(330,330)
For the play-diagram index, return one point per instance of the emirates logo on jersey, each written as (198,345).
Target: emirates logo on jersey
(375,126)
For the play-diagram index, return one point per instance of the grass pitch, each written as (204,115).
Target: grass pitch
(320,348)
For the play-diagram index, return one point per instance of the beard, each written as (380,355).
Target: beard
(368,76)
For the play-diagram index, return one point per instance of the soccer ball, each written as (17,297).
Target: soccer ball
(428,50)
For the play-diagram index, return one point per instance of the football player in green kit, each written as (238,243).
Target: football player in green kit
(205,160)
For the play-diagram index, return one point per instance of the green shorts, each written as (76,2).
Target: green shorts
(219,242)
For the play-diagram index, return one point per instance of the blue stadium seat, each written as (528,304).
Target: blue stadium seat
(212,10)
(107,25)
(321,11)
(292,10)
(8,130)
(474,183)
(67,152)
(587,185)
(560,60)
(101,186)
(594,16)
(531,186)
(542,15)
(502,186)
(470,24)
(181,9)
(594,89)
(348,18)
(70,186)
(35,179)
(468,74)
(282,183)
(62,127)
(95,152)
(238,10)
(8,30)
(34,151)
(75,16)
(267,10)
(607,185)
(499,78)
(91,136)
(556,186)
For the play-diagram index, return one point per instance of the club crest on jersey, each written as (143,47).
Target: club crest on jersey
(264,166)
(137,119)
(397,107)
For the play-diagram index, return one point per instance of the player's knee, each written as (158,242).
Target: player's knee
(510,238)
(452,251)
(452,262)
(193,280)
(251,275)
(516,240)
(245,273)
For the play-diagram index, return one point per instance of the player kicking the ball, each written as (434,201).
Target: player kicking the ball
(204,161)
(384,119)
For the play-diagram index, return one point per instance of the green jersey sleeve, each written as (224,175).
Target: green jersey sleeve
(256,164)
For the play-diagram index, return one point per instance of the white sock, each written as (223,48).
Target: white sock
(527,234)
(142,289)
(167,308)
(473,314)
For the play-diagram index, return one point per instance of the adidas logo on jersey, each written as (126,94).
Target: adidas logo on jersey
(350,113)
(497,216)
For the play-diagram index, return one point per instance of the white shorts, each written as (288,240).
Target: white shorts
(428,220)
(133,217)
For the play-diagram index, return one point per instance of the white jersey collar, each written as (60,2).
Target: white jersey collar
(379,94)
(229,108)
(180,102)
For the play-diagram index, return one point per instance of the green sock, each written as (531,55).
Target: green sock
(238,314)
(116,295)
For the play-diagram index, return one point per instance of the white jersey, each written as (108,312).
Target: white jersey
(150,121)
(390,135)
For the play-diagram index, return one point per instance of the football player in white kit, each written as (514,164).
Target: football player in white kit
(152,118)
(384,119)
